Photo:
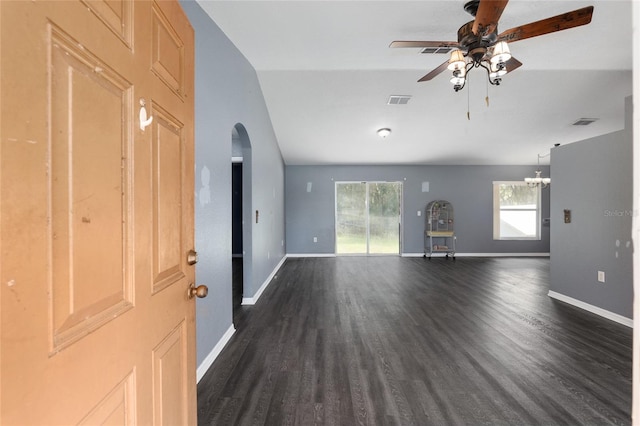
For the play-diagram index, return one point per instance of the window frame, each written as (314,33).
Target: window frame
(497,210)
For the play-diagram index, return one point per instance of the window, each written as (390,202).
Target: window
(516,211)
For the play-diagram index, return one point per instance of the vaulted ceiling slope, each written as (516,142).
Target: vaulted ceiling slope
(326,72)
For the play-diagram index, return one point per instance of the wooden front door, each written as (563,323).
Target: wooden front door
(96,214)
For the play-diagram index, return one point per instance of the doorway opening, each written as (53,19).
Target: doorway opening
(236,231)
(241,239)
(368,217)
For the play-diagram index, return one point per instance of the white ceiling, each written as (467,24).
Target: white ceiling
(326,72)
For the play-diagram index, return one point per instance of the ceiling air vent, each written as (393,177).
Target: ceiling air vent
(398,100)
(436,50)
(584,121)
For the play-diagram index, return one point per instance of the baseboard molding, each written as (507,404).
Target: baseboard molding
(256,296)
(434,255)
(481,254)
(591,308)
(208,361)
(311,255)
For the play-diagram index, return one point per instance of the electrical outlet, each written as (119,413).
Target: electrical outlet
(419,212)
(601,276)
(315,239)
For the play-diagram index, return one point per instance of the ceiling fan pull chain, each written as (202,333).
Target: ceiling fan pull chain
(487,98)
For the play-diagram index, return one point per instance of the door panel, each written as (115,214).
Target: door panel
(168,52)
(368,217)
(116,15)
(170,379)
(351,218)
(96,215)
(117,408)
(90,136)
(167,198)
(384,215)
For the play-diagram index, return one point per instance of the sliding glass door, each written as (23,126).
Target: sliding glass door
(351,218)
(368,217)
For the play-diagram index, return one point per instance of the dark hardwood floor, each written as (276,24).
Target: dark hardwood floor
(407,341)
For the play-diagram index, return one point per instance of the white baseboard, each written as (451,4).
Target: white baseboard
(311,255)
(481,254)
(591,308)
(434,255)
(208,361)
(256,296)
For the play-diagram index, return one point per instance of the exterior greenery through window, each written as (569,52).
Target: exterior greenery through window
(516,211)
(368,217)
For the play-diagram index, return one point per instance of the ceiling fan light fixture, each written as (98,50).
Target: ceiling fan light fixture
(499,68)
(480,45)
(457,61)
(457,81)
(538,180)
(462,72)
(501,53)
(384,132)
(497,71)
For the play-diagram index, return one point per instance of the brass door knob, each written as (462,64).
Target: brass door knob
(192,257)
(200,291)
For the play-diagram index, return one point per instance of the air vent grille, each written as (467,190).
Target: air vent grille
(398,100)
(584,121)
(436,50)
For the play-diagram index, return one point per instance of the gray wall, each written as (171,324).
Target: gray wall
(594,179)
(228,93)
(468,188)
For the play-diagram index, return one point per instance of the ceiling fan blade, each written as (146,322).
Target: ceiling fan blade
(423,44)
(513,64)
(487,16)
(435,72)
(565,21)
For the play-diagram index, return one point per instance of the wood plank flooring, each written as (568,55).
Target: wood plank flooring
(408,341)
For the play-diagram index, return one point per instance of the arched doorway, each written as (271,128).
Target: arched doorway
(241,216)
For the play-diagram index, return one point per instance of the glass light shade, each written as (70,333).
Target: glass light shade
(457,61)
(498,72)
(460,72)
(533,181)
(500,52)
(457,81)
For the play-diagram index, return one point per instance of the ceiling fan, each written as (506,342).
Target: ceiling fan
(480,45)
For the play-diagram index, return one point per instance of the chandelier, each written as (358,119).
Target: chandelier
(495,64)
(538,180)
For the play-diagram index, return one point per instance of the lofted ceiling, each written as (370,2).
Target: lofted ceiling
(326,72)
